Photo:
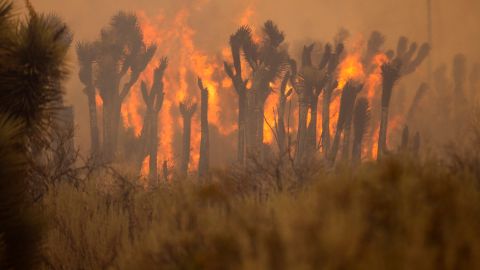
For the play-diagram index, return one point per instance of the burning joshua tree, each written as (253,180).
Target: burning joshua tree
(119,52)
(267,60)
(187,110)
(347,103)
(404,63)
(154,101)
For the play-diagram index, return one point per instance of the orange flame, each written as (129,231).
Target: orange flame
(351,68)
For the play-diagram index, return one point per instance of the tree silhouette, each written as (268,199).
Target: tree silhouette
(187,110)
(121,55)
(204,161)
(149,137)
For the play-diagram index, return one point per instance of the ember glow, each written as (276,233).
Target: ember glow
(351,68)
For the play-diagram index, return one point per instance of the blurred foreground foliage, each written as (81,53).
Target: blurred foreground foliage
(398,214)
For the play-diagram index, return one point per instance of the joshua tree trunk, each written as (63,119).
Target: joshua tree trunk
(187,110)
(251,131)
(261,98)
(347,102)
(312,127)
(280,124)
(242,126)
(346,139)
(149,138)
(86,59)
(153,167)
(302,129)
(92,110)
(382,137)
(327,96)
(390,74)
(203,165)
(361,117)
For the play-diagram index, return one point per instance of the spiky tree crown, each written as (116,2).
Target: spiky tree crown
(33,68)
(390,75)
(187,108)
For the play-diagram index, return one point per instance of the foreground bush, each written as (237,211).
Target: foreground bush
(395,215)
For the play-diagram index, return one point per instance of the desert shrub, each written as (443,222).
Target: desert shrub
(392,215)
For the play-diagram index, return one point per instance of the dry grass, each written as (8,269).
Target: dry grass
(394,215)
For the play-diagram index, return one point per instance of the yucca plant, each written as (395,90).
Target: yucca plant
(32,69)
(187,110)
(204,162)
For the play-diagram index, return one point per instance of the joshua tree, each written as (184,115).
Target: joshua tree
(86,58)
(390,75)
(347,103)
(374,46)
(154,102)
(267,60)
(204,161)
(187,110)
(280,126)
(120,51)
(361,117)
(404,63)
(333,62)
(312,81)
(303,85)
(235,74)
(324,74)
(349,109)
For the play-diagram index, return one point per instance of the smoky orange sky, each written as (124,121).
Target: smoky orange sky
(456,24)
